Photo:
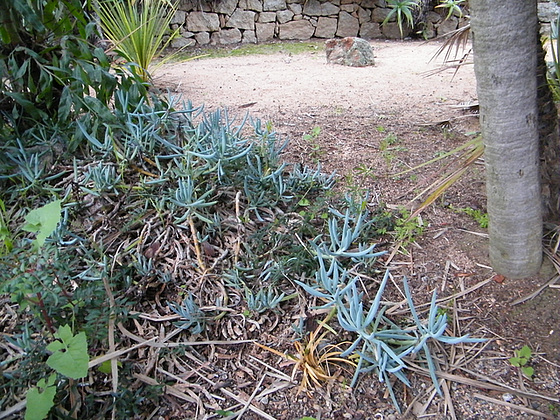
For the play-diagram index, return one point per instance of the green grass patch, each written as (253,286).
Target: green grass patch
(283,47)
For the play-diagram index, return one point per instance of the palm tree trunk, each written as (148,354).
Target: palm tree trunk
(505,56)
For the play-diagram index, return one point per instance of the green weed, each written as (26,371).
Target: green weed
(521,359)
(478,215)
(311,139)
(407,228)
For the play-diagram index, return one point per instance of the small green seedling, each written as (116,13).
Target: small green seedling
(478,215)
(311,138)
(521,359)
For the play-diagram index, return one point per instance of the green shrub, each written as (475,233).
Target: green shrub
(53,76)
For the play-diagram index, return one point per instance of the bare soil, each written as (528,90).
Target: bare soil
(374,123)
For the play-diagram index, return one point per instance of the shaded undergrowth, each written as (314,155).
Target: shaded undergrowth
(177,213)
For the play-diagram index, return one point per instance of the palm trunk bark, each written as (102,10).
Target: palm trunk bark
(505,56)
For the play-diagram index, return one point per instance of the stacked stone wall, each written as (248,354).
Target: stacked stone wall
(204,22)
(256,21)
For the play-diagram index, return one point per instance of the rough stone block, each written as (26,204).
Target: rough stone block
(195,5)
(350,8)
(364,15)
(274,5)
(301,29)
(254,5)
(265,31)
(200,21)
(226,36)
(433,17)
(369,4)
(326,27)
(179,18)
(242,19)
(249,37)
(225,7)
(379,14)
(391,30)
(296,8)
(316,8)
(370,30)
(348,25)
(350,51)
(202,38)
(267,17)
(447,26)
(283,16)
(181,42)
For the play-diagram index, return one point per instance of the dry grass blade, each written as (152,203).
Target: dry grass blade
(487,383)
(459,166)
(168,389)
(554,279)
(515,406)
(314,358)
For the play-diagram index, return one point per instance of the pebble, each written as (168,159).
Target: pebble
(507,397)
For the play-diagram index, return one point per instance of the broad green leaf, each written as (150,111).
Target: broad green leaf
(528,371)
(70,357)
(43,221)
(516,361)
(40,399)
(525,352)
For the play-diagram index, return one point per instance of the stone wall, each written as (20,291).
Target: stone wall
(204,22)
(255,21)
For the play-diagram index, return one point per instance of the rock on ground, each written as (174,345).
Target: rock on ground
(349,51)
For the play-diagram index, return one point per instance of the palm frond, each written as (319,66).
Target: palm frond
(456,41)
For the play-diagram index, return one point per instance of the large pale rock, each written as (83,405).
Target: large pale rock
(364,15)
(283,16)
(242,19)
(350,51)
(380,14)
(316,8)
(226,36)
(326,27)
(179,18)
(249,37)
(297,9)
(300,29)
(265,31)
(182,41)
(225,7)
(348,25)
(267,17)
(202,38)
(370,30)
(274,5)
(255,5)
(200,22)
(195,5)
